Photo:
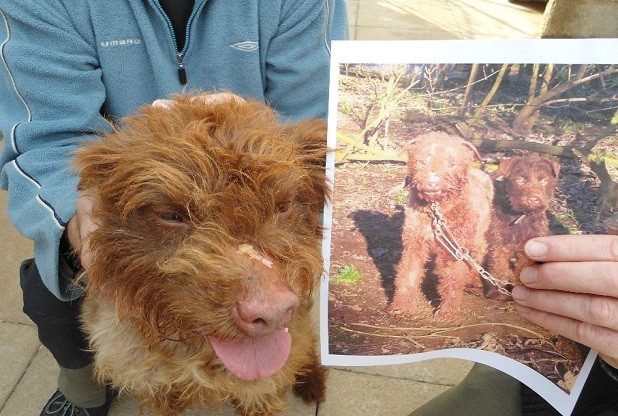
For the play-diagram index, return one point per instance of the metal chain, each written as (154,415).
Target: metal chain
(444,237)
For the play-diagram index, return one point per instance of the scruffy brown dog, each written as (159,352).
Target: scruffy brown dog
(206,255)
(441,173)
(520,213)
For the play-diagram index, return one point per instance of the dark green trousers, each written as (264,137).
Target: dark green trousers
(486,391)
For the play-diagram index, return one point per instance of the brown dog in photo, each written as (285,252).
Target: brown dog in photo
(441,174)
(520,213)
(206,255)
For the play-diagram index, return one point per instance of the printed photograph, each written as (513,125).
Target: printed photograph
(442,172)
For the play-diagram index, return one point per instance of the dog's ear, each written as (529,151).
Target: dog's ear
(473,148)
(506,165)
(406,147)
(94,161)
(555,167)
(310,139)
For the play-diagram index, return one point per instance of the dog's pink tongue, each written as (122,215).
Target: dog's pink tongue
(254,358)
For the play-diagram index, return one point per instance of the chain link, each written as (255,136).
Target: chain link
(444,237)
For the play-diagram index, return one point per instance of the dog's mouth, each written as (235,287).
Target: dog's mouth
(529,207)
(431,195)
(253,358)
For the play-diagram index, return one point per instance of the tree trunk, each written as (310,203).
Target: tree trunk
(481,109)
(471,80)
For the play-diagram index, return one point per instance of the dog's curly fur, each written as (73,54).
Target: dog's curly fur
(178,190)
(526,186)
(440,171)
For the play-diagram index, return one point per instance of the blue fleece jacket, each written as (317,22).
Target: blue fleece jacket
(68,67)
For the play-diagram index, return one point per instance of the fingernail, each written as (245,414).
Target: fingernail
(520,293)
(535,249)
(528,275)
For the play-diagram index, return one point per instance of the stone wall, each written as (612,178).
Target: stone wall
(580,19)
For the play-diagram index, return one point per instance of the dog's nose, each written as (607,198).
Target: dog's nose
(259,315)
(533,199)
(432,181)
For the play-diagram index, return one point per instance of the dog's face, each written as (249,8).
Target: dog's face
(438,165)
(208,213)
(529,182)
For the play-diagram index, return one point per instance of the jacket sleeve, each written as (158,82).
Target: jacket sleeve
(297,63)
(51,96)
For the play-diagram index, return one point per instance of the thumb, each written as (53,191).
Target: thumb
(81,226)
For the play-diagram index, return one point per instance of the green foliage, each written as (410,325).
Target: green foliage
(345,108)
(568,127)
(508,307)
(401,197)
(549,134)
(606,153)
(347,274)
(569,220)
(576,126)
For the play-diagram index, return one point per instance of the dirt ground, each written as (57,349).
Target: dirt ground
(366,236)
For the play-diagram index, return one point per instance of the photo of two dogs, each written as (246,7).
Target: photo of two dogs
(455,218)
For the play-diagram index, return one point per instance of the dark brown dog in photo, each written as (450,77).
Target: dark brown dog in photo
(441,174)
(206,255)
(520,213)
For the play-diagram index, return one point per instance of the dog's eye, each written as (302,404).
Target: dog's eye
(544,181)
(520,180)
(283,207)
(172,219)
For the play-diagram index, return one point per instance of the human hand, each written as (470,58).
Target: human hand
(80,226)
(573,290)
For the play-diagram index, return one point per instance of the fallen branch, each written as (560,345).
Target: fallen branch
(457,328)
(492,146)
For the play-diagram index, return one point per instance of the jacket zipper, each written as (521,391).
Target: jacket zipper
(182,72)
(180,55)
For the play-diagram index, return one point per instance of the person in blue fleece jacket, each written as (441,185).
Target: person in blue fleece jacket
(69,67)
